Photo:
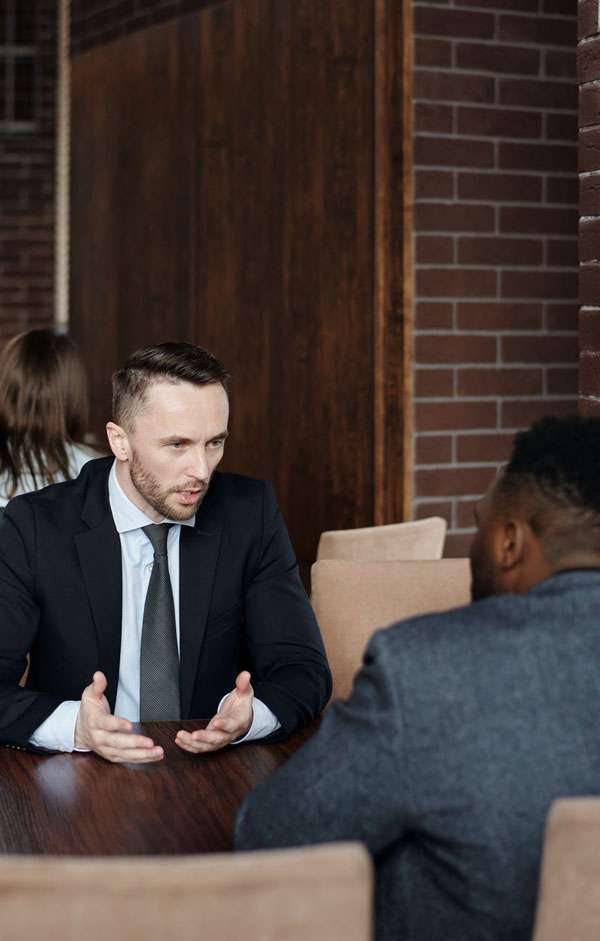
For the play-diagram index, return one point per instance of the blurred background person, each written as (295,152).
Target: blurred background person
(44,408)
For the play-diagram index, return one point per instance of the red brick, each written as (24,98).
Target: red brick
(499,316)
(589,285)
(455,23)
(499,122)
(480,382)
(434,383)
(589,239)
(433,249)
(560,64)
(453,217)
(452,86)
(539,349)
(589,193)
(457,481)
(433,449)
(453,152)
(523,6)
(537,29)
(563,381)
(430,315)
(587,11)
(432,52)
(560,7)
(589,328)
(589,149)
(500,187)
(441,508)
(453,348)
(589,105)
(556,284)
(450,416)
(589,408)
(526,219)
(456,282)
(562,316)
(562,253)
(434,117)
(484,58)
(433,184)
(523,413)
(484,447)
(499,251)
(588,57)
(532,93)
(465,512)
(561,127)
(458,545)
(562,189)
(553,157)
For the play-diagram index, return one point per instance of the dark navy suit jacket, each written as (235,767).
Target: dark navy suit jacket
(242,604)
(461,729)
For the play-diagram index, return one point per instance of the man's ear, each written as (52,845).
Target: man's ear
(118,441)
(512,543)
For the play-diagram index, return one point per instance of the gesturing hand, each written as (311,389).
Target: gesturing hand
(109,736)
(231,722)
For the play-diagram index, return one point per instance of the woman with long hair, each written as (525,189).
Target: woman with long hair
(43,412)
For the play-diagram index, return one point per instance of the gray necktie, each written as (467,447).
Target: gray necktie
(159,659)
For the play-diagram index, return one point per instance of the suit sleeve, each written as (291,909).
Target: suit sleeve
(349,782)
(290,673)
(21,710)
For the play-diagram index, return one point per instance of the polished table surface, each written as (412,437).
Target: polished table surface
(81,804)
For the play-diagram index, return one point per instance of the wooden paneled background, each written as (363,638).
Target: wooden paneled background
(239,180)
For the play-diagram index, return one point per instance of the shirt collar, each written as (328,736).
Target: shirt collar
(127,515)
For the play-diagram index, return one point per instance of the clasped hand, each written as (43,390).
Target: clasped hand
(113,738)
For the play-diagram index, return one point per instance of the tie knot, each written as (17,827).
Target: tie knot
(157,533)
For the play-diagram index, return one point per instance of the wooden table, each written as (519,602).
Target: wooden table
(80,804)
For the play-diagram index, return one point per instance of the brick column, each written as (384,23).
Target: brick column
(588,68)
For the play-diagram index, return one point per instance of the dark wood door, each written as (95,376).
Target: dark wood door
(227,189)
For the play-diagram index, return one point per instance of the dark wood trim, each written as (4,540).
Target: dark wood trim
(393,449)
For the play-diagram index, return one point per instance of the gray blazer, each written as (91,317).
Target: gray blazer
(461,729)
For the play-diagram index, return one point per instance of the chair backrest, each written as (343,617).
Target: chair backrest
(569,896)
(421,539)
(321,893)
(352,599)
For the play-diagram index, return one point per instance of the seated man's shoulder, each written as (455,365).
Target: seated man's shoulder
(237,488)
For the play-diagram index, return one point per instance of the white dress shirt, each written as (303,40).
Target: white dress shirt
(58,730)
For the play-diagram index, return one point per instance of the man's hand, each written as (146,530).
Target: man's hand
(231,722)
(109,736)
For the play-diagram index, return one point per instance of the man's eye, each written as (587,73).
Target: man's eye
(217,443)
(177,444)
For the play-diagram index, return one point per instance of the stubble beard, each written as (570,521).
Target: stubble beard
(148,486)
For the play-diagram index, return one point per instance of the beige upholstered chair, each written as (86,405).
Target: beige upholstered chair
(569,898)
(353,599)
(321,893)
(421,539)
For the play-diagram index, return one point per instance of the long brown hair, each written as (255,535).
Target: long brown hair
(43,406)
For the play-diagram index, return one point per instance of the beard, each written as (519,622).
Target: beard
(149,487)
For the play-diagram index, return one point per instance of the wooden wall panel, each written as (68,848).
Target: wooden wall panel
(237,207)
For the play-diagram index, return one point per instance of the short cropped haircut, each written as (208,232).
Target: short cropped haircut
(167,362)
(554,477)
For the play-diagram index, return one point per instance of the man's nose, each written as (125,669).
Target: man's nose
(198,465)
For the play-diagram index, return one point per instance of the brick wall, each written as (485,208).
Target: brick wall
(27,199)
(588,67)
(496,238)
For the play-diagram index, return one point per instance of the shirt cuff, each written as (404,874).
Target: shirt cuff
(57,732)
(264,722)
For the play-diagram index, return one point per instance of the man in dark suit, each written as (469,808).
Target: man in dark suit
(169,586)
(463,726)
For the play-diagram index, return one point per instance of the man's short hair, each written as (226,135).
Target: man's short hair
(167,362)
(553,477)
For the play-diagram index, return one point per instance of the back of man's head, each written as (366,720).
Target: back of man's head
(167,362)
(553,477)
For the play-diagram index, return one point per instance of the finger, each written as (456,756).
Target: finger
(132,755)
(117,741)
(95,691)
(197,748)
(242,683)
(221,723)
(204,737)
(110,723)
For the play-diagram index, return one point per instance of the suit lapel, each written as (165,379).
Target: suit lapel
(99,550)
(198,553)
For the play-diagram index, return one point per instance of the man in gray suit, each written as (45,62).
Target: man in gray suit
(462,727)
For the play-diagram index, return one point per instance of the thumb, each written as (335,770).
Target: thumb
(242,683)
(97,687)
